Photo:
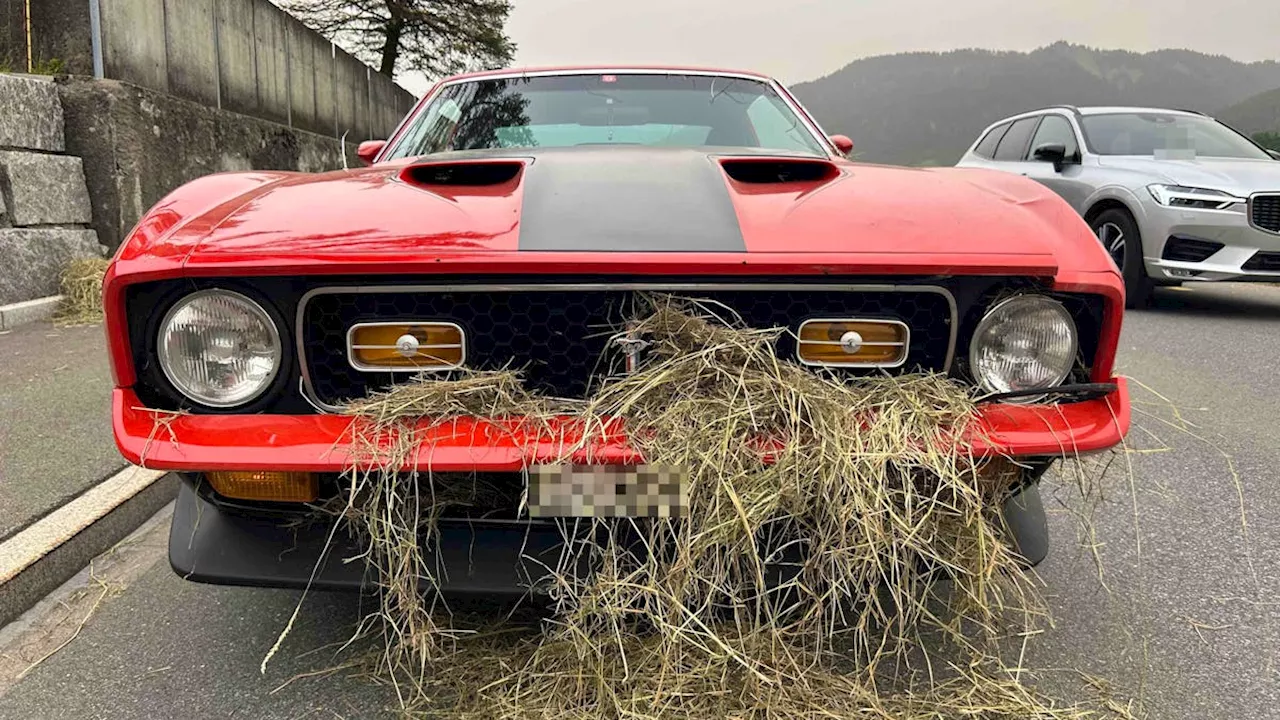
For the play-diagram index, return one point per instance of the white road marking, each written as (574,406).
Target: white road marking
(45,535)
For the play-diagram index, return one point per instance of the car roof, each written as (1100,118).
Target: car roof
(1099,110)
(609,69)
(1112,109)
(1094,110)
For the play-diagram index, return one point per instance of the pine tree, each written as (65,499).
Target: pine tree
(433,37)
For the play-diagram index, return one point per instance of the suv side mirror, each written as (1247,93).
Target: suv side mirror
(1055,153)
(369,149)
(842,143)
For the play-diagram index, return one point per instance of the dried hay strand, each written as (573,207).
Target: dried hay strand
(801,587)
(396,518)
(81,283)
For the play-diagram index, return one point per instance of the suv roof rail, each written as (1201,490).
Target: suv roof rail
(1072,108)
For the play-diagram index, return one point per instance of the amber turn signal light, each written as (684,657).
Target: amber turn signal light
(853,343)
(270,485)
(406,347)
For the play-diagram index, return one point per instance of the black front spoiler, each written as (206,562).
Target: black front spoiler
(225,546)
(209,543)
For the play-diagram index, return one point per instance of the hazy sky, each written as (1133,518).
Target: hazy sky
(798,40)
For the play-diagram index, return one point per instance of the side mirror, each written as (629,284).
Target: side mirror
(1055,153)
(369,149)
(842,143)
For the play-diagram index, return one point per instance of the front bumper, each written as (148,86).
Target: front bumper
(1241,242)
(319,443)
(212,544)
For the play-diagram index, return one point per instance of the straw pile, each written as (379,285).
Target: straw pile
(801,588)
(81,283)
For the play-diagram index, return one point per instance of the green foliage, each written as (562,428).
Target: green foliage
(1268,140)
(52,66)
(433,37)
(1257,114)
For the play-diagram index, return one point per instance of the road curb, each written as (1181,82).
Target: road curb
(46,554)
(28,311)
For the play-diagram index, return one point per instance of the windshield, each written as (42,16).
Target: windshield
(636,109)
(1165,135)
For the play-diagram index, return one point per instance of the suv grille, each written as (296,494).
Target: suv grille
(1263,262)
(559,336)
(1264,212)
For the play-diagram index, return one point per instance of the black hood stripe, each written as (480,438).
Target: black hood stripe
(627,200)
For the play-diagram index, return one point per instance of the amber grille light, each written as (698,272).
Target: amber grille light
(406,346)
(853,343)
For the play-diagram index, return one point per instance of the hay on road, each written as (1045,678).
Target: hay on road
(81,283)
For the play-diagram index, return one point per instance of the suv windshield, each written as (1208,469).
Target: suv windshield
(1165,134)
(635,109)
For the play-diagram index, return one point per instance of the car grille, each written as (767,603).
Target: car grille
(1263,262)
(1185,249)
(1264,212)
(559,336)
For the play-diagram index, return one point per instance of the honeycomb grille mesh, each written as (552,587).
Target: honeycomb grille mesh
(560,338)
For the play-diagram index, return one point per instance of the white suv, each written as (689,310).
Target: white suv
(1174,196)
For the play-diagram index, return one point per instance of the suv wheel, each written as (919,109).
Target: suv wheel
(1120,237)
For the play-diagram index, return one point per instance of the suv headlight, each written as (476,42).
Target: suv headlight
(1027,342)
(1193,198)
(219,348)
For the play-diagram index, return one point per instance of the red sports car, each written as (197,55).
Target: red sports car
(497,227)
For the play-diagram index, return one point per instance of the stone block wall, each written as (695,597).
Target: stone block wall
(44,201)
(138,145)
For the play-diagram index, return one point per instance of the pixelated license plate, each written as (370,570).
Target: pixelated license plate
(602,491)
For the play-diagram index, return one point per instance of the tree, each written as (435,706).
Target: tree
(434,37)
(1268,140)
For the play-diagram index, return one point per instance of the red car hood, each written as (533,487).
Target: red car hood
(675,203)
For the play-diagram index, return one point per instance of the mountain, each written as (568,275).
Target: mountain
(1260,113)
(927,108)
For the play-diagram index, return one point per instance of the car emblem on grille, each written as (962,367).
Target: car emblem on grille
(632,348)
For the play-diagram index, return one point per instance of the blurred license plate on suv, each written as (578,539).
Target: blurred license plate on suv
(602,491)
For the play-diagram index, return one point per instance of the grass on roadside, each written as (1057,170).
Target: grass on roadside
(81,283)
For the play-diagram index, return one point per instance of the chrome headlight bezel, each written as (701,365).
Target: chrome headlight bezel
(997,313)
(182,382)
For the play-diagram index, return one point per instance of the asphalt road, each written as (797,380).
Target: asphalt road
(1181,611)
(55,420)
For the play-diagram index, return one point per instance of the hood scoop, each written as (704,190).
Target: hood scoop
(779,171)
(455,177)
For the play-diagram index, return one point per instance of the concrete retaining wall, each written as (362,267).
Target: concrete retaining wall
(44,202)
(246,56)
(138,145)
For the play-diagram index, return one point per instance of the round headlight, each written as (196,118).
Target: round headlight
(219,348)
(1027,342)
